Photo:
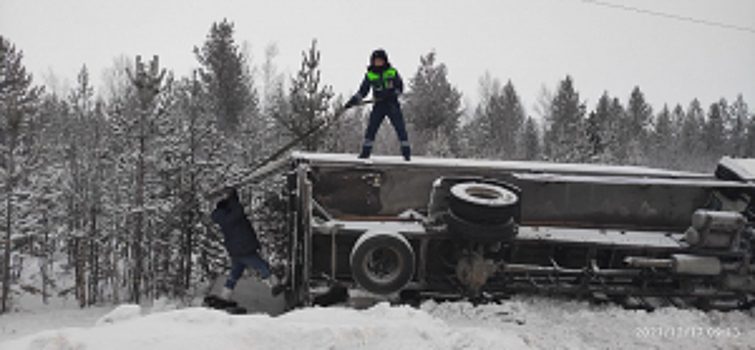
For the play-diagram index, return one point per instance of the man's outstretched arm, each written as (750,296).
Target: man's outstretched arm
(364,89)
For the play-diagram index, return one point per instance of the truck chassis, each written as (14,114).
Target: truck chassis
(640,237)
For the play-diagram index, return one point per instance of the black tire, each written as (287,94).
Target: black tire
(465,230)
(484,203)
(382,263)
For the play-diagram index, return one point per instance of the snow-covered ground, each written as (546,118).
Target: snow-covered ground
(521,323)
(19,324)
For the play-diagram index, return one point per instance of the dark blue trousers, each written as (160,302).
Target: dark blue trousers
(238,264)
(381,110)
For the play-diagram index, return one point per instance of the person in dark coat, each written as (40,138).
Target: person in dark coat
(387,86)
(241,243)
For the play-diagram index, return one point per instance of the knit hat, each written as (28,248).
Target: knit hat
(379,53)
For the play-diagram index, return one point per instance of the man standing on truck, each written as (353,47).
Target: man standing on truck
(386,85)
(241,243)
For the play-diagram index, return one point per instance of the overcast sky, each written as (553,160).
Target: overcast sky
(531,42)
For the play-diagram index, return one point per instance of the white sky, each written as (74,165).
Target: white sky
(531,42)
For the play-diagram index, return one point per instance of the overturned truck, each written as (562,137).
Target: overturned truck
(451,228)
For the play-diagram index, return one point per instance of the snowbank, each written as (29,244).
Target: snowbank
(120,314)
(381,327)
(545,323)
(19,324)
(521,323)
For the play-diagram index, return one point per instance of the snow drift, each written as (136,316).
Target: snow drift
(381,327)
(521,323)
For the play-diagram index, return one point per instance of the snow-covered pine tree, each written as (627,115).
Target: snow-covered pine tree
(18,105)
(48,194)
(714,137)
(83,129)
(530,148)
(566,138)
(617,138)
(639,115)
(600,127)
(691,146)
(135,115)
(226,77)
(345,134)
(663,140)
(309,102)
(501,119)
(638,121)
(433,107)
(273,104)
(739,120)
(195,145)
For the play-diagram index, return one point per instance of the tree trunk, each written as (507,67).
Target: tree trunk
(44,267)
(8,223)
(137,246)
(80,268)
(93,257)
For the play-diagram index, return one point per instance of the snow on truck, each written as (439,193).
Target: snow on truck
(483,230)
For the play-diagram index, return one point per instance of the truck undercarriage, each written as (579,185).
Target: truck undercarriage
(446,228)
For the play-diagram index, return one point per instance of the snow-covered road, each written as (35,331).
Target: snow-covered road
(521,323)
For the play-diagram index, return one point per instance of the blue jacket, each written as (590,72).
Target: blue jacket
(239,237)
(385,82)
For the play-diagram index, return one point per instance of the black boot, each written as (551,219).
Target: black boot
(407,153)
(366,150)
(277,290)
(215,302)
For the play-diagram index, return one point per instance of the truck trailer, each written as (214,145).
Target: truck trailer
(483,230)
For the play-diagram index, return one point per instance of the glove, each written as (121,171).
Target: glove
(351,103)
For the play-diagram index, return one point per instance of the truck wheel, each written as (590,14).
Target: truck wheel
(382,262)
(473,231)
(483,203)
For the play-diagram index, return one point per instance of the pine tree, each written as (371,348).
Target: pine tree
(345,134)
(749,142)
(739,120)
(531,140)
(433,107)
(678,118)
(639,116)
(274,102)
(566,137)
(195,145)
(512,118)
(501,117)
(48,191)
(690,138)
(226,77)
(600,127)
(615,134)
(79,147)
(137,118)
(713,136)
(309,100)
(663,139)
(18,103)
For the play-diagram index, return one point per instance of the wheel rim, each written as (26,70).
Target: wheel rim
(485,194)
(383,264)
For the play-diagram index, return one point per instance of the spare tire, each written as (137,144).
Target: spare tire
(382,262)
(484,203)
(483,233)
